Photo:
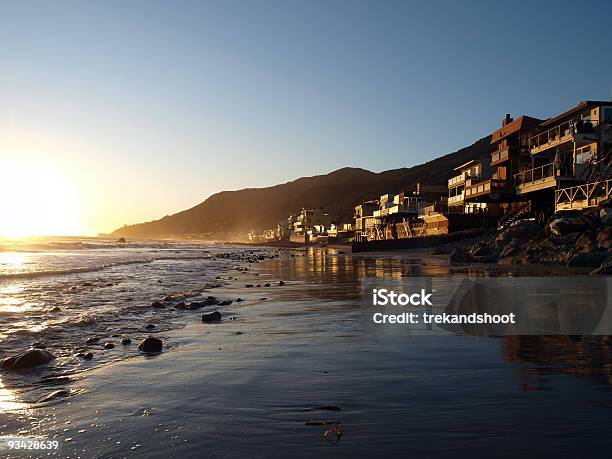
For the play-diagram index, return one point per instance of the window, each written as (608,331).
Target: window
(607,115)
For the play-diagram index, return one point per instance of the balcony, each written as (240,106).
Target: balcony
(538,178)
(456,200)
(583,132)
(490,188)
(456,181)
(440,208)
(498,157)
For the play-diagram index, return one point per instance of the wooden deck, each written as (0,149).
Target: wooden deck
(583,196)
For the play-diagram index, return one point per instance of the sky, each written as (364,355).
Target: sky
(115,112)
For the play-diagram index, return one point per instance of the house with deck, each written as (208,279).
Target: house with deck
(566,151)
(510,155)
(473,179)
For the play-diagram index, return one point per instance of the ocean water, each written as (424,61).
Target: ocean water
(61,292)
(261,382)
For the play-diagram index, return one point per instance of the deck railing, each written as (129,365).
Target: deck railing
(457,198)
(537,173)
(582,196)
(561,132)
(490,185)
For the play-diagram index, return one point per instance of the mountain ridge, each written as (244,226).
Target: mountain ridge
(231,214)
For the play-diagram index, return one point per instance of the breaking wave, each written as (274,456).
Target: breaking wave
(75,270)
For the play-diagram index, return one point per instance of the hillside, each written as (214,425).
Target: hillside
(233,213)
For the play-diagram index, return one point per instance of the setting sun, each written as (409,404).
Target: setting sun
(37,199)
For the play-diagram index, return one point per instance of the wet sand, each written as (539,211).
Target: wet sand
(262,384)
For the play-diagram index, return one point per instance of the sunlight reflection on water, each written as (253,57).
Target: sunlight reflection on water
(12,261)
(9,401)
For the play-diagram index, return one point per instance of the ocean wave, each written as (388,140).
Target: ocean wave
(82,321)
(92,268)
(74,270)
(67,246)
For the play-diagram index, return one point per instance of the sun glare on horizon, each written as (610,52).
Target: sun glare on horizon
(36,200)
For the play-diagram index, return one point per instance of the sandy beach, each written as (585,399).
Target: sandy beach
(298,368)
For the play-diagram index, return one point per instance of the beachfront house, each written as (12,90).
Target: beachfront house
(309,224)
(470,176)
(395,216)
(510,155)
(565,151)
(364,219)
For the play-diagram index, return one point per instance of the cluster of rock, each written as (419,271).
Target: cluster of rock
(574,239)
(38,355)
(250,256)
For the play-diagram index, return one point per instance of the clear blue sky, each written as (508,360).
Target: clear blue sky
(157,105)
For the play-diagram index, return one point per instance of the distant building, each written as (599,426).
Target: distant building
(472,175)
(364,218)
(309,220)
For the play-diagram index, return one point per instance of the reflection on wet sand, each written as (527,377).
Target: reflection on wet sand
(331,265)
(333,275)
(586,356)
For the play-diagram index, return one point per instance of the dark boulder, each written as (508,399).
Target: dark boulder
(587,260)
(586,242)
(482,249)
(212,317)
(126,341)
(109,346)
(605,215)
(121,240)
(605,203)
(28,359)
(208,301)
(157,305)
(280,283)
(604,238)
(196,305)
(521,230)
(225,303)
(511,248)
(151,345)
(563,226)
(88,356)
(459,255)
(605,269)
(567,240)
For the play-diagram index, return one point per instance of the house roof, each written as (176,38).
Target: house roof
(522,122)
(468,164)
(581,106)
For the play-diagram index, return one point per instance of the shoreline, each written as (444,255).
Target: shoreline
(272,365)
